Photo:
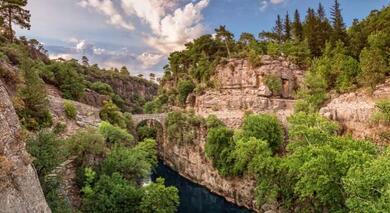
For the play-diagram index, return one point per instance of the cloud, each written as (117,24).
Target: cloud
(107,8)
(264,4)
(149,59)
(170,25)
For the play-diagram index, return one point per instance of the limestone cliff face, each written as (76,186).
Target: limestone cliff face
(129,88)
(242,88)
(20,190)
(354,112)
(190,161)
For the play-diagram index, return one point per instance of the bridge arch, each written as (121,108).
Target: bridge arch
(160,118)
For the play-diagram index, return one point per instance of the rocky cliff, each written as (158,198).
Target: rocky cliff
(20,190)
(190,162)
(242,88)
(131,89)
(354,112)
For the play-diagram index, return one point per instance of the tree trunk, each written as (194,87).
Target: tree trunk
(11,36)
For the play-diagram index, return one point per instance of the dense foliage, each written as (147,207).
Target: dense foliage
(182,128)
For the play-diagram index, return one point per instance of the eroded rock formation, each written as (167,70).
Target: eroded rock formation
(242,88)
(354,112)
(20,190)
(190,162)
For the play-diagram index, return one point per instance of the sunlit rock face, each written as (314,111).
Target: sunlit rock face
(20,190)
(190,162)
(241,88)
(354,112)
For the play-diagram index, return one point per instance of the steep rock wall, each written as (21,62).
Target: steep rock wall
(20,190)
(354,112)
(190,162)
(241,88)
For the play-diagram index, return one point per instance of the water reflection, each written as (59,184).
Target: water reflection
(195,198)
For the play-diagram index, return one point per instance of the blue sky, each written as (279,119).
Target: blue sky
(141,33)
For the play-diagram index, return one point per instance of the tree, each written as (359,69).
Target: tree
(369,182)
(85,61)
(218,148)
(124,71)
(246,39)
(339,29)
(152,76)
(287,27)
(185,87)
(223,35)
(264,127)
(297,28)
(278,29)
(159,198)
(13,12)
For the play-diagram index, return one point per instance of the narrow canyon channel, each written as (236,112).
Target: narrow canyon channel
(193,197)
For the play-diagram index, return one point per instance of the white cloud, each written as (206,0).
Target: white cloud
(277,1)
(62,55)
(107,8)
(171,26)
(149,59)
(265,3)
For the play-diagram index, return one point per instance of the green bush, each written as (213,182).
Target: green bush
(185,87)
(382,114)
(111,113)
(111,194)
(102,88)
(33,109)
(218,148)
(133,164)
(70,110)
(145,131)
(182,127)
(87,144)
(274,83)
(264,127)
(159,198)
(115,135)
(213,122)
(47,151)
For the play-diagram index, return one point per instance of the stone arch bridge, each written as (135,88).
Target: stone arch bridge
(161,117)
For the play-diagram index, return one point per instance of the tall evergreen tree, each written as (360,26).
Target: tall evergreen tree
(297,28)
(324,29)
(339,29)
(13,12)
(287,27)
(223,35)
(310,31)
(278,29)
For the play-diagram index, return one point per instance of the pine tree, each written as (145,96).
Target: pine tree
(226,37)
(310,31)
(324,29)
(287,27)
(124,71)
(339,29)
(297,28)
(278,29)
(13,12)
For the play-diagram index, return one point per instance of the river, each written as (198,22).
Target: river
(193,197)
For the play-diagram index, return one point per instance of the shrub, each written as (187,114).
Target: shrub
(115,135)
(87,144)
(182,127)
(185,87)
(219,147)
(102,88)
(70,110)
(110,112)
(134,164)
(47,151)
(159,198)
(264,127)
(213,122)
(59,128)
(382,115)
(274,83)
(145,131)
(254,58)
(111,194)
(33,111)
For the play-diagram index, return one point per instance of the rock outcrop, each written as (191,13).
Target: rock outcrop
(131,89)
(354,112)
(190,162)
(20,190)
(242,88)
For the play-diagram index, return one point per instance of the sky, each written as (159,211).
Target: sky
(140,34)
